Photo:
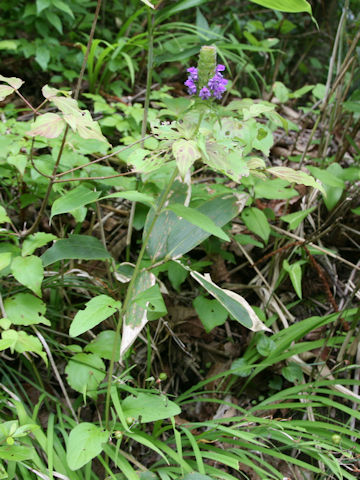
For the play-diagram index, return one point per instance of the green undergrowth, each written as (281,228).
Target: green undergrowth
(178,298)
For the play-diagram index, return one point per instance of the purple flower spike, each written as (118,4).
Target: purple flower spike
(204,93)
(216,85)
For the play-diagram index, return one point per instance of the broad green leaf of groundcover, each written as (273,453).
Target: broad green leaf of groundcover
(147,407)
(35,241)
(102,345)
(256,222)
(85,372)
(3,216)
(48,125)
(152,301)
(25,309)
(173,237)
(29,271)
(78,197)
(291,6)
(211,312)
(236,305)
(22,342)
(80,247)
(96,310)
(84,443)
(198,219)
(294,219)
(16,453)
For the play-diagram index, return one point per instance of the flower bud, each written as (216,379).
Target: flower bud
(207,65)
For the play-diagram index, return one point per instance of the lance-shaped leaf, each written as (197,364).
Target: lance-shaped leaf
(291,6)
(173,237)
(236,305)
(96,310)
(195,217)
(137,316)
(186,153)
(295,176)
(49,125)
(80,247)
(76,198)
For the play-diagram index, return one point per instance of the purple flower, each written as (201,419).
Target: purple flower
(193,73)
(191,86)
(217,84)
(204,93)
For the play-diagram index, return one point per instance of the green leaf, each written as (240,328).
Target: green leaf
(16,453)
(35,241)
(133,196)
(295,273)
(29,271)
(42,56)
(85,372)
(256,221)
(147,407)
(5,259)
(177,274)
(63,7)
(96,310)
(55,21)
(248,240)
(276,189)
(294,219)
(236,305)
(281,92)
(327,177)
(152,301)
(292,372)
(41,5)
(295,176)
(186,153)
(22,342)
(80,247)
(198,219)
(211,312)
(291,6)
(48,125)
(76,198)
(265,345)
(3,216)
(84,443)
(102,345)
(25,309)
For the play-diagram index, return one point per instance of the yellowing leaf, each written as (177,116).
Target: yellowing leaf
(295,176)
(49,125)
